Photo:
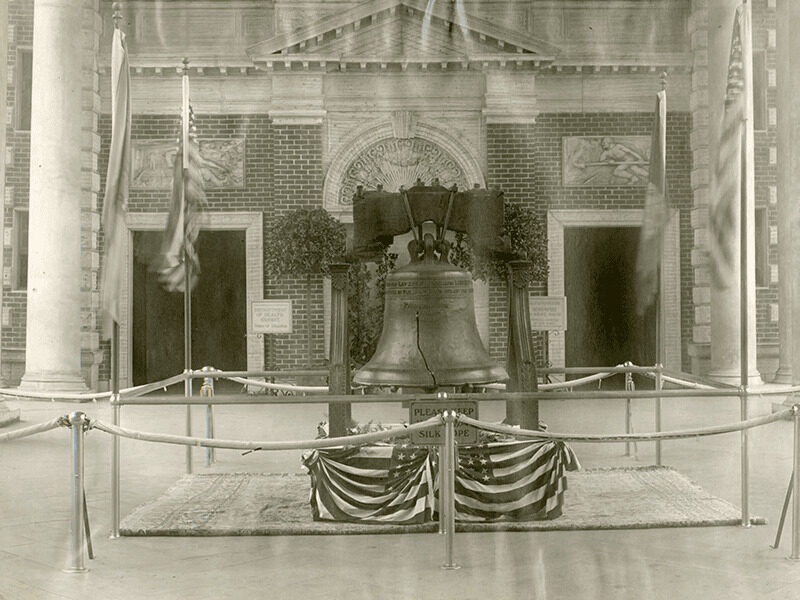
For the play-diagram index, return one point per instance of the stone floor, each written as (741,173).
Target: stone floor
(704,563)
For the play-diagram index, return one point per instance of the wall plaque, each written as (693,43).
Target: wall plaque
(621,160)
(271,316)
(548,313)
(222,163)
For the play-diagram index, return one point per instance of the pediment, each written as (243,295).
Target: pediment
(402,31)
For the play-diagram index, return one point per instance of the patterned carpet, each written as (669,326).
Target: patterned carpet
(266,504)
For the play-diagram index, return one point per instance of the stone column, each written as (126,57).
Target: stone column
(725,308)
(788,113)
(6,415)
(53,343)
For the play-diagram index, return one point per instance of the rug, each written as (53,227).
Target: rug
(212,504)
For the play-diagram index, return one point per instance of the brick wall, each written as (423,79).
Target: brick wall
(765,173)
(525,162)
(255,196)
(297,184)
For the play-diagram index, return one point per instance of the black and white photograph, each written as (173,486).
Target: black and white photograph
(400,299)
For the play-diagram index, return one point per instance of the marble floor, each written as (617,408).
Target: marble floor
(703,563)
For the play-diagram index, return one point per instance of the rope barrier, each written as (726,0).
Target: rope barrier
(138,390)
(34,429)
(285,387)
(558,384)
(626,437)
(350,440)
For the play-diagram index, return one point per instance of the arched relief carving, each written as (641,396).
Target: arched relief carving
(375,156)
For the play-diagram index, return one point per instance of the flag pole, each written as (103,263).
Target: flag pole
(659,298)
(187,274)
(744,204)
(115,416)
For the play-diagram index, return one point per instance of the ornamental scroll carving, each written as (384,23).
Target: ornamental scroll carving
(394,162)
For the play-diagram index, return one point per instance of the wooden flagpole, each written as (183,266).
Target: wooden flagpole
(747,184)
(115,448)
(659,297)
(187,267)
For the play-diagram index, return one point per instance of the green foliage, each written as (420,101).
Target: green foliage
(365,305)
(527,237)
(303,242)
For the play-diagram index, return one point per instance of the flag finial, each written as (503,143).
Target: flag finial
(185,65)
(663,78)
(117,16)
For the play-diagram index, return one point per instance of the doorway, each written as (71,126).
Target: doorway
(600,285)
(219,312)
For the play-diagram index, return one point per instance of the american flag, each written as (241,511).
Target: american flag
(517,481)
(115,202)
(372,484)
(656,212)
(398,484)
(183,226)
(729,171)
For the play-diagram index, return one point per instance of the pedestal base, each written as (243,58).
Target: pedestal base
(734,377)
(52,382)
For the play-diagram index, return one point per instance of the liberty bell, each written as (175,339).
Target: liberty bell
(430,337)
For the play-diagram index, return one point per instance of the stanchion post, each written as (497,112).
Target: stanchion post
(207,391)
(745,460)
(450,477)
(628,387)
(796,485)
(443,459)
(115,488)
(659,387)
(77,421)
(187,392)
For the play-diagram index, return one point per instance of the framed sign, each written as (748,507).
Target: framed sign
(271,316)
(548,313)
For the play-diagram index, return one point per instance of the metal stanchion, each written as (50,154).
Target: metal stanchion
(187,392)
(745,461)
(628,423)
(442,479)
(659,387)
(77,422)
(207,391)
(796,486)
(442,489)
(449,497)
(115,470)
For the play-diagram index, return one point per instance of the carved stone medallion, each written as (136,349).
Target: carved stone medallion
(394,162)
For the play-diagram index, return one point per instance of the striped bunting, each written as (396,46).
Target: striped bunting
(729,172)
(399,484)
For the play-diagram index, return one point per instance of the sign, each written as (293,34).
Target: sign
(271,316)
(548,313)
(422,410)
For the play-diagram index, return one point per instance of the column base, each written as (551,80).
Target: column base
(783,375)
(7,415)
(734,376)
(52,382)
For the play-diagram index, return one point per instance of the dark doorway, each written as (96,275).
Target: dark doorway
(218,309)
(600,284)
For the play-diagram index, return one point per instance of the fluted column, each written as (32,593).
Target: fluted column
(339,378)
(788,113)
(725,307)
(53,343)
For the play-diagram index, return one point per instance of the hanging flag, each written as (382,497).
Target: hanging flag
(656,212)
(729,171)
(115,202)
(183,225)
(386,483)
